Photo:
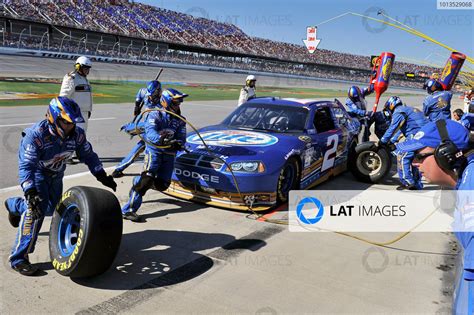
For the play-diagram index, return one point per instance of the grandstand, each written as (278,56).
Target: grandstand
(138,31)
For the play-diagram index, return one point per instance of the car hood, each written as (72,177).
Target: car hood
(255,144)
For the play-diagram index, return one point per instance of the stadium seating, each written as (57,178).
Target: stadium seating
(148,22)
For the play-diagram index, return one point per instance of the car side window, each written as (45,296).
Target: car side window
(323,120)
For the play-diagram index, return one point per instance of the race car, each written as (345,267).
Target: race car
(262,150)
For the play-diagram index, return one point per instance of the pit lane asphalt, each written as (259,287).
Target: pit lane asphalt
(189,257)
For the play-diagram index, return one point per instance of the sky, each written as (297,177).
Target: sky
(287,21)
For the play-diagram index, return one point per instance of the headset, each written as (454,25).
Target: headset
(447,155)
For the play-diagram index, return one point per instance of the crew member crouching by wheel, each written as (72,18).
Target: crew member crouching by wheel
(405,121)
(44,149)
(161,129)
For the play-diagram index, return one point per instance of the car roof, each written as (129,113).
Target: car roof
(300,102)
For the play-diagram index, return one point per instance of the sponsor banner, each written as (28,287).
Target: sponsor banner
(381,211)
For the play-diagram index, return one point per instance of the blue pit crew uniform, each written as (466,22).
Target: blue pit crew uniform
(464,297)
(406,121)
(159,163)
(42,161)
(467,120)
(140,146)
(141,95)
(429,136)
(438,105)
(357,108)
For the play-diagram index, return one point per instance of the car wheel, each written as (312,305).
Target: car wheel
(288,180)
(85,233)
(370,164)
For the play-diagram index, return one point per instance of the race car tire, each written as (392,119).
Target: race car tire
(85,233)
(369,163)
(288,179)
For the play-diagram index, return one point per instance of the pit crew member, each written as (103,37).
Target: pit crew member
(161,129)
(468,98)
(437,105)
(150,100)
(43,152)
(248,91)
(445,157)
(404,121)
(467,120)
(457,114)
(357,108)
(76,87)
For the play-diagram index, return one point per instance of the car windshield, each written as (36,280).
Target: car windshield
(275,118)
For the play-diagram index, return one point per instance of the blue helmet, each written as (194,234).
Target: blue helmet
(354,93)
(172,96)
(65,109)
(432,85)
(392,102)
(153,89)
(152,86)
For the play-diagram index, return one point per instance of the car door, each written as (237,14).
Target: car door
(343,120)
(326,138)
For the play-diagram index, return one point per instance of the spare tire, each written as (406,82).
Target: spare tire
(85,233)
(369,163)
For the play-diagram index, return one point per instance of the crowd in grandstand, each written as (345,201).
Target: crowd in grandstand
(149,22)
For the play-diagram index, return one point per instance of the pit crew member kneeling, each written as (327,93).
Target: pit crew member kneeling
(407,121)
(44,150)
(165,134)
(444,156)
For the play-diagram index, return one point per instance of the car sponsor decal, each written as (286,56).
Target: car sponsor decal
(234,137)
(195,175)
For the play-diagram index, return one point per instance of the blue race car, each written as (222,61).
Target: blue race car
(272,146)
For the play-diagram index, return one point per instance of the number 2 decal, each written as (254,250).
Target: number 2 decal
(328,161)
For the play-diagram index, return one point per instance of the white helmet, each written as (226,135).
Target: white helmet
(251,78)
(84,61)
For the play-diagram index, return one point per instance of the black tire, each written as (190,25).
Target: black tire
(370,164)
(85,233)
(289,179)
